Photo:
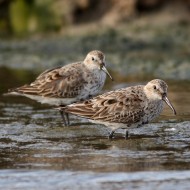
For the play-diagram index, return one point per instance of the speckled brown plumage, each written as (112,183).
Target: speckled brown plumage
(123,108)
(60,82)
(71,83)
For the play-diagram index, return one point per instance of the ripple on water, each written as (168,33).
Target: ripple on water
(32,136)
(22,179)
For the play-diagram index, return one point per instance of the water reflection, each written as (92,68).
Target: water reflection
(32,136)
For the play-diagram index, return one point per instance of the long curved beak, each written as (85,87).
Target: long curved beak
(106,71)
(165,99)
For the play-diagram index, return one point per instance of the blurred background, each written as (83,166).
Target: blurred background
(26,17)
(142,39)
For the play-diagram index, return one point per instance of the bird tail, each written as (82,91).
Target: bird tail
(26,89)
(77,109)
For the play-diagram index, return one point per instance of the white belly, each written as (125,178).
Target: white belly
(94,86)
(47,100)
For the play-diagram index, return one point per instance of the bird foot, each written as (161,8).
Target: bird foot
(111,135)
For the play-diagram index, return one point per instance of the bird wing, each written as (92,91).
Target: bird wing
(47,71)
(59,82)
(121,106)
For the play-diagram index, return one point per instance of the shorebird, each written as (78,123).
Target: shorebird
(74,82)
(124,108)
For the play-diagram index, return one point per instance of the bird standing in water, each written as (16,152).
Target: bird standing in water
(124,108)
(68,84)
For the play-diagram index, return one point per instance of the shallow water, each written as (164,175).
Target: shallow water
(36,148)
(16,180)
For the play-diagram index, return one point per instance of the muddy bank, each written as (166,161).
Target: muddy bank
(130,51)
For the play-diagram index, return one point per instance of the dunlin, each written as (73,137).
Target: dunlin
(68,84)
(125,108)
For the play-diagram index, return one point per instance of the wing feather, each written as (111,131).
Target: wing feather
(60,82)
(121,106)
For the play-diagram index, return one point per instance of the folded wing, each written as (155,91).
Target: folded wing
(59,82)
(122,106)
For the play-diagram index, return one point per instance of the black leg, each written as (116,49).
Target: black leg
(63,117)
(111,135)
(67,118)
(126,134)
(144,123)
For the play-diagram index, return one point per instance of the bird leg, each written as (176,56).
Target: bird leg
(126,134)
(67,118)
(111,134)
(63,117)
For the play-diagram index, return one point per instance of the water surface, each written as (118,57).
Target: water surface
(36,148)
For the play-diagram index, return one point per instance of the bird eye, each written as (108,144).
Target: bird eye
(92,58)
(154,87)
